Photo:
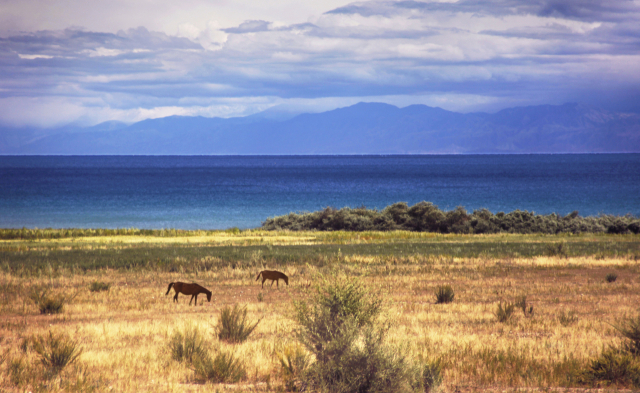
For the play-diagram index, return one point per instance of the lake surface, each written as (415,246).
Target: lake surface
(218,192)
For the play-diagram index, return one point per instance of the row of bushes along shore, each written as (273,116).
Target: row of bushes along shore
(427,217)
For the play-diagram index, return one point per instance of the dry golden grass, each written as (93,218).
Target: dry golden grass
(124,332)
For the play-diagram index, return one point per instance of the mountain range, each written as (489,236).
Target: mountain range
(364,128)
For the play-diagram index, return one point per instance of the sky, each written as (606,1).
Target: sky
(86,62)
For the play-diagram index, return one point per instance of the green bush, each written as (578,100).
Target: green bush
(223,368)
(613,367)
(611,277)
(234,230)
(56,351)
(339,327)
(233,326)
(504,312)
(187,345)
(630,330)
(444,294)
(98,286)
(426,217)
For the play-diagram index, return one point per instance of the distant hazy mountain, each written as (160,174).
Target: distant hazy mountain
(364,128)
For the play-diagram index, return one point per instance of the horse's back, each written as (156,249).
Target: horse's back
(273,274)
(189,288)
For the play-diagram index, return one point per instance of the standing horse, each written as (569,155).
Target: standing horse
(188,289)
(273,275)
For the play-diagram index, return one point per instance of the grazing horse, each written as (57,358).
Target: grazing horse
(273,275)
(188,289)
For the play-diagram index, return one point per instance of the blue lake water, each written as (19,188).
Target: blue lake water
(218,192)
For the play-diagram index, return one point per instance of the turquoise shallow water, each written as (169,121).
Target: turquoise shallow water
(217,192)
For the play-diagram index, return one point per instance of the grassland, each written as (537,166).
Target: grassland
(125,330)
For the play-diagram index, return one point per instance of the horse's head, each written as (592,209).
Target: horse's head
(286,280)
(208,296)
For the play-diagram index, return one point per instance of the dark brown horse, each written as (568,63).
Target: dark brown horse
(188,289)
(273,275)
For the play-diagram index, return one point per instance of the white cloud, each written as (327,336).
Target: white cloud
(31,57)
(463,56)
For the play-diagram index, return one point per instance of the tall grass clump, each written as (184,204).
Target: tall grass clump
(20,373)
(431,376)
(47,303)
(187,345)
(339,326)
(444,294)
(618,365)
(99,286)
(293,362)
(233,326)
(567,318)
(56,351)
(521,303)
(630,330)
(613,367)
(611,277)
(504,313)
(221,368)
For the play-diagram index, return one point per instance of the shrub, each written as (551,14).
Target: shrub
(504,313)
(56,351)
(567,319)
(613,367)
(187,346)
(521,303)
(234,230)
(47,304)
(347,299)
(223,368)
(431,376)
(233,325)
(611,277)
(98,286)
(51,305)
(341,330)
(260,297)
(294,362)
(630,329)
(19,371)
(444,294)
(425,216)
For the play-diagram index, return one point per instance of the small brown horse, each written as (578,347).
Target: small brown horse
(273,275)
(188,289)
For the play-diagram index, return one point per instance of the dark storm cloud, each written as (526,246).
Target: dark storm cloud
(586,10)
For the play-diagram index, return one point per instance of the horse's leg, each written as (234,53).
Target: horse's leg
(196,303)
(263,280)
(175,298)
(272,283)
(190,300)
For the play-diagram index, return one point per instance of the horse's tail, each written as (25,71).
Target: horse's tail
(168,289)
(258,276)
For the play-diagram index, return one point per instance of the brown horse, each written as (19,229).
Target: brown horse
(188,289)
(273,275)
